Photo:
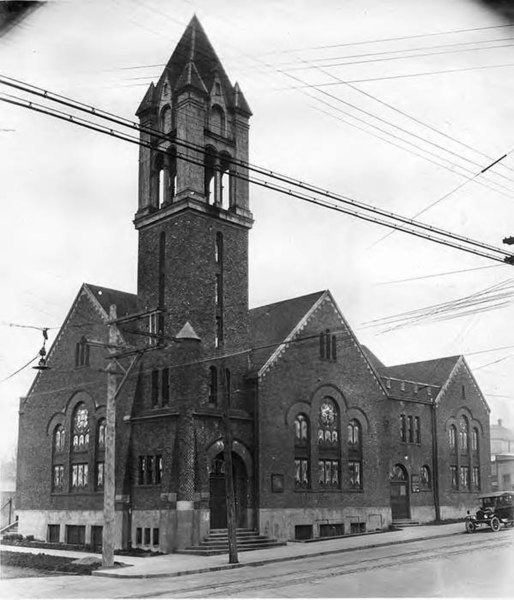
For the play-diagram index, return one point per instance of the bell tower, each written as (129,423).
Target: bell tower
(193,215)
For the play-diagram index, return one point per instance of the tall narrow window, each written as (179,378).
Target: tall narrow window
(454,481)
(464,478)
(334,347)
(155,387)
(213,385)
(425,480)
(322,345)
(100,443)
(411,429)
(162,186)
(329,444)
(219,331)
(80,440)
(452,437)
(463,435)
(218,294)
(59,438)
(476,478)
(165,386)
(417,430)
(301,452)
(218,248)
(474,440)
(82,353)
(225,181)
(354,443)
(228,385)
(403,428)
(209,175)
(162,269)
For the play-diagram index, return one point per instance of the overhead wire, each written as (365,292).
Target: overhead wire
(268,173)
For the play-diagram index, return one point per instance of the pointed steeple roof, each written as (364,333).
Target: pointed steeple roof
(147,101)
(190,78)
(195,61)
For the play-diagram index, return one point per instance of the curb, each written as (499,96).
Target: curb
(266,561)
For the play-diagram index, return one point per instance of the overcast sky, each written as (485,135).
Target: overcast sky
(68,196)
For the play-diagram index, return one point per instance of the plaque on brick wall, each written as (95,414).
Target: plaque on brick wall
(277,483)
(415,483)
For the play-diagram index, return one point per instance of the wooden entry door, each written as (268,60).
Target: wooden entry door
(399,486)
(218,497)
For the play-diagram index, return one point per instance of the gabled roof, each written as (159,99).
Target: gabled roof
(434,372)
(271,324)
(126,303)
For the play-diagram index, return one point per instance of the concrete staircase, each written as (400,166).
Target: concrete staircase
(402,523)
(217,542)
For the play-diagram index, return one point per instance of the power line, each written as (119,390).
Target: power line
(125,137)
(266,172)
(436,275)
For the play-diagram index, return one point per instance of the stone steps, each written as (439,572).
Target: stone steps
(401,523)
(217,542)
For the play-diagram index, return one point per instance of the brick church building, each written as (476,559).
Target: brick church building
(326,440)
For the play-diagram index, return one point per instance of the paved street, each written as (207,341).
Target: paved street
(460,565)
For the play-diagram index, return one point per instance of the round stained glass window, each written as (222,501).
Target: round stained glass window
(81,419)
(327,414)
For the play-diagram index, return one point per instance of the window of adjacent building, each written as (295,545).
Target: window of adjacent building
(82,353)
(139,536)
(452,437)
(425,479)
(59,438)
(464,478)
(329,444)
(147,536)
(76,534)
(354,446)
(155,537)
(79,476)
(454,482)
(80,440)
(58,478)
(302,450)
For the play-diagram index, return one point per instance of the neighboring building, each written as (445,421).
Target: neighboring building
(502,457)
(326,439)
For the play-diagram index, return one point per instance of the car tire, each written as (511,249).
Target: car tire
(470,526)
(495,524)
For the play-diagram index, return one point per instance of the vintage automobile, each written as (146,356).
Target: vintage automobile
(496,509)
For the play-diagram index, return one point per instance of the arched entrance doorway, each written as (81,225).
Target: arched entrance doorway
(399,485)
(218,498)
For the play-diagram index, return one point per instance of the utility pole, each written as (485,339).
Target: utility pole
(229,476)
(110,451)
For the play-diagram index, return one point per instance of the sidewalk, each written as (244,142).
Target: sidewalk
(175,565)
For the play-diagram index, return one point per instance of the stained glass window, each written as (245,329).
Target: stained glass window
(81,428)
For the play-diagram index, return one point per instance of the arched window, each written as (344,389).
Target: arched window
(398,473)
(301,430)
(59,438)
(80,445)
(425,479)
(213,385)
(354,454)
(452,437)
(329,444)
(210,175)
(474,440)
(463,434)
(166,119)
(327,345)
(100,440)
(80,440)
(225,181)
(301,452)
(217,120)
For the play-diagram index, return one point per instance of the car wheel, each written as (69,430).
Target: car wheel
(470,526)
(495,524)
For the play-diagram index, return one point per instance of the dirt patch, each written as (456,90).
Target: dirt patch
(44,564)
